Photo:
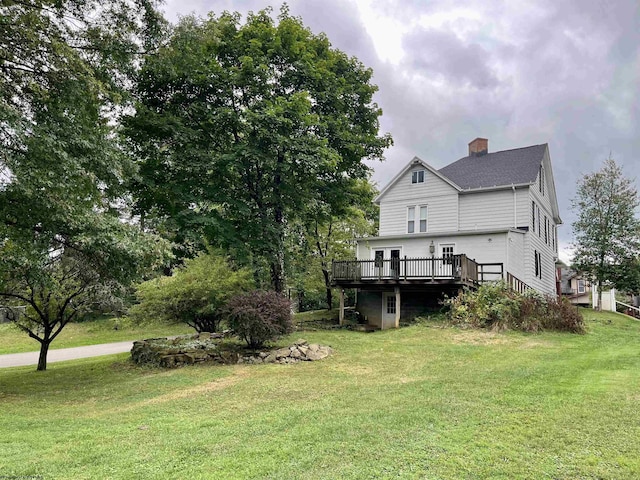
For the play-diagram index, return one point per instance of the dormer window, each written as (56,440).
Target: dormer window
(417,176)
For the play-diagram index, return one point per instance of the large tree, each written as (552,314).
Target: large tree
(242,125)
(607,231)
(65,67)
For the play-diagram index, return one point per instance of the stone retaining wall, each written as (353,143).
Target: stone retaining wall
(206,347)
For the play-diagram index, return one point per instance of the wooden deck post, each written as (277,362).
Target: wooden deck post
(341,314)
(397,291)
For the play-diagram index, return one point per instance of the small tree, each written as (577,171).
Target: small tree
(607,230)
(258,317)
(195,293)
(60,279)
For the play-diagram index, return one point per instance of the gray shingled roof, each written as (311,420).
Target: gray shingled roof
(509,167)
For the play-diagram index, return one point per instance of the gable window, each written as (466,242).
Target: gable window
(541,184)
(580,286)
(411,219)
(417,176)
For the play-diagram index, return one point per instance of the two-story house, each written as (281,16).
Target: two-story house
(484,217)
(575,287)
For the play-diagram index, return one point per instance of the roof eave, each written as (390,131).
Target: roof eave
(414,161)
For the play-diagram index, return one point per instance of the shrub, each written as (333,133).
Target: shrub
(498,307)
(196,293)
(258,317)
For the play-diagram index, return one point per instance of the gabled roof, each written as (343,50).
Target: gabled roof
(415,162)
(509,167)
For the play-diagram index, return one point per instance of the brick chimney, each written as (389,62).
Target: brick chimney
(478,147)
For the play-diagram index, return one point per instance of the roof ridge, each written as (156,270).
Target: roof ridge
(492,153)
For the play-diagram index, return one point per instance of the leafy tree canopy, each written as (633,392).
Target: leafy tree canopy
(65,67)
(243,126)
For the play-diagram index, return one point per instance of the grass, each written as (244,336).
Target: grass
(93,332)
(419,402)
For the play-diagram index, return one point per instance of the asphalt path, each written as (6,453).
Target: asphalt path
(62,354)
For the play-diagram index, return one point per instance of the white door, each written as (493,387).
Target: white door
(447,251)
(389,309)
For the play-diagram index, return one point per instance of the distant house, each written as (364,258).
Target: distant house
(575,287)
(484,217)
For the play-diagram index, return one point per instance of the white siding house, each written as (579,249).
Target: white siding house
(484,217)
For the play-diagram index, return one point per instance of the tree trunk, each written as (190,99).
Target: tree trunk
(42,359)
(277,272)
(327,284)
(277,262)
(599,309)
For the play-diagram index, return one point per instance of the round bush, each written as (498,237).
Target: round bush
(258,317)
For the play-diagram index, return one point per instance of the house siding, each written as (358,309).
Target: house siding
(536,241)
(440,198)
(483,248)
(484,210)
(441,214)
(515,255)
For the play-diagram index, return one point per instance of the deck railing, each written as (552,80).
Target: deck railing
(454,267)
(516,284)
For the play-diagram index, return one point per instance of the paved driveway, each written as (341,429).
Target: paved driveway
(62,354)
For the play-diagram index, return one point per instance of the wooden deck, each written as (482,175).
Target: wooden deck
(452,270)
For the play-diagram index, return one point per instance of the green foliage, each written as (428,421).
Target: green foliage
(496,306)
(66,66)
(259,317)
(328,232)
(254,120)
(195,293)
(607,231)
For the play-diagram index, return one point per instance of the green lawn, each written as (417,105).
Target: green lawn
(13,340)
(418,402)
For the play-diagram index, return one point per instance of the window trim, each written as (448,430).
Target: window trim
(415,176)
(584,286)
(417,209)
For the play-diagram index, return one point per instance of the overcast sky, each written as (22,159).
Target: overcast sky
(562,72)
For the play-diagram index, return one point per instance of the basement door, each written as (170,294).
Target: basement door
(389,308)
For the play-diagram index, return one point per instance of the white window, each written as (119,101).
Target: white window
(580,286)
(423,219)
(541,184)
(411,219)
(417,176)
(391,304)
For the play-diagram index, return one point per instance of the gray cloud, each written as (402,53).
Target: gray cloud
(442,53)
(561,72)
